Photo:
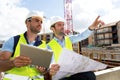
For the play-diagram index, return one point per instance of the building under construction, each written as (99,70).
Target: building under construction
(108,34)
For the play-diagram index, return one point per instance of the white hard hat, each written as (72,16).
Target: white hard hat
(34,14)
(56,19)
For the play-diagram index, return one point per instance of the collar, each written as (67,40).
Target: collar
(58,40)
(37,40)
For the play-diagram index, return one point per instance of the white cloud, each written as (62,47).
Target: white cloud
(85,11)
(12,18)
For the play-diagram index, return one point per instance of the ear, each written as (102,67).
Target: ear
(52,28)
(27,24)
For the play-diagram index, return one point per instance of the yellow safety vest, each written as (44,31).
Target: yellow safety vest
(27,70)
(57,48)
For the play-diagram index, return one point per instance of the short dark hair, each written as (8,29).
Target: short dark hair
(52,25)
(28,19)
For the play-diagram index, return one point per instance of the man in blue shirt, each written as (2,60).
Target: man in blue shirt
(16,65)
(61,41)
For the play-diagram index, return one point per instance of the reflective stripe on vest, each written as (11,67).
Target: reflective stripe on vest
(27,70)
(21,79)
(17,77)
(56,47)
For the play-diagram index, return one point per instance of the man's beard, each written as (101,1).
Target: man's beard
(33,30)
(61,33)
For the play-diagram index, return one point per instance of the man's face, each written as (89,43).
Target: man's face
(35,25)
(59,28)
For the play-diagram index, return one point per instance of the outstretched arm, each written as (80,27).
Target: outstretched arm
(78,37)
(96,23)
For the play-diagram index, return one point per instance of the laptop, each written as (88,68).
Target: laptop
(39,56)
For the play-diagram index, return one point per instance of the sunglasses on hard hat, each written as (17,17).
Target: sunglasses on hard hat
(34,19)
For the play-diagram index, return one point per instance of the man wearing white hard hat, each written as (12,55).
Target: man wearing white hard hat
(61,41)
(18,67)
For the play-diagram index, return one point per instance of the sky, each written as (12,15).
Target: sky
(13,13)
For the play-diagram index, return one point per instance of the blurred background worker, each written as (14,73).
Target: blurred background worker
(18,67)
(61,41)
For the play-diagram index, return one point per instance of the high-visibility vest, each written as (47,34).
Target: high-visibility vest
(26,70)
(57,48)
